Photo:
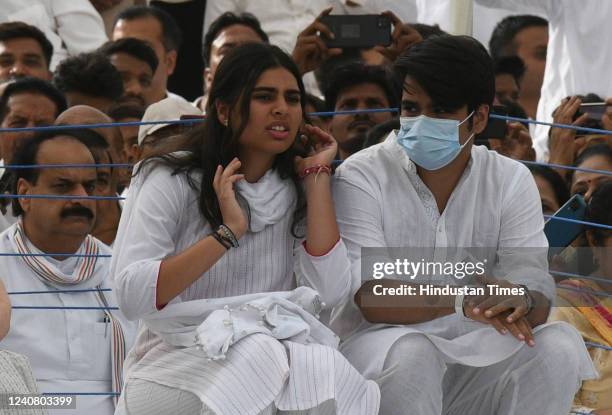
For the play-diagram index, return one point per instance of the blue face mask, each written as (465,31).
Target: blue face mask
(432,143)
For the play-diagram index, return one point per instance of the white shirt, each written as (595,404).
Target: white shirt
(283,20)
(69,350)
(72,26)
(579,58)
(382,202)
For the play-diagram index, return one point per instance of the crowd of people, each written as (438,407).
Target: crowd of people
(203,242)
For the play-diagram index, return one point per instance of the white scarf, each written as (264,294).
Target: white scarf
(84,276)
(269,199)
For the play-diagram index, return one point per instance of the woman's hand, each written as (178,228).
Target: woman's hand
(323,149)
(223,183)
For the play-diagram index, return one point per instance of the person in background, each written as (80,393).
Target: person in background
(158,30)
(27,102)
(378,134)
(125,113)
(315,104)
(509,72)
(565,144)
(526,37)
(152,137)
(89,79)
(592,314)
(576,62)
(355,87)
(597,157)
(25,51)
(186,80)
(110,180)
(136,63)
(72,26)
(81,351)
(553,189)
(225,33)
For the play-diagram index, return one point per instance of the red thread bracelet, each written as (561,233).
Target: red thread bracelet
(315,169)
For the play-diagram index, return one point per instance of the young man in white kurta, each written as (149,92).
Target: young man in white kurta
(451,364)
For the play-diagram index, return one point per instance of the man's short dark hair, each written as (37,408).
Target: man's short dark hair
(502,40)
(171,33)
(34,86)
(358,73)
(510,65)
(228,19)
(27,153)
(90,74)
(20,30)
(453,70)
(133,47)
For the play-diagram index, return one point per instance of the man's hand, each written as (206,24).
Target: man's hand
(517,144)
(402,38)
(310,49)
(562,144)
(507,313)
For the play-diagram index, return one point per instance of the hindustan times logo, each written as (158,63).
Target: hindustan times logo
(412,270)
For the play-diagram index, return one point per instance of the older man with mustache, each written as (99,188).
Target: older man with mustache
(49,249)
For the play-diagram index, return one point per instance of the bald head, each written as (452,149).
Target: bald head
(84,114)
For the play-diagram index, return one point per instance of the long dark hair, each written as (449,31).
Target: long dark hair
(212,144)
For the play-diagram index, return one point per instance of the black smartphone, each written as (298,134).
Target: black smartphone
(358,31)
(495,128)
(594,110)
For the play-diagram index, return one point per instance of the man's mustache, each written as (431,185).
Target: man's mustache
(77,211)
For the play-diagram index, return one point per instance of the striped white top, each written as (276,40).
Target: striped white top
(161,218)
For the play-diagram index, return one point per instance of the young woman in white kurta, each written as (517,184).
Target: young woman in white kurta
(239,334)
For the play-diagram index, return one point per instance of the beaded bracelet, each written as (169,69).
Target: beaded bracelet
(228,235)
(316,169)
(219,239)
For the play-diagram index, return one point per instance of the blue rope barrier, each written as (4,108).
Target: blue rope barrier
(42,307)
(83,290)
(63,197)
(580,222)
(552,124)
(598,346)
(578,290)
(173,122)
(11,254)
(562,166)
(60,166)
(351,112)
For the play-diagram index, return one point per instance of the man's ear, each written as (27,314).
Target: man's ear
(171,61)
(24,188)
(480,119)
(590,238)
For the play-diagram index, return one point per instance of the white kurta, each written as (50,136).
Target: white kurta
(578,60)
(69,350)
(381,202)
(161,218)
